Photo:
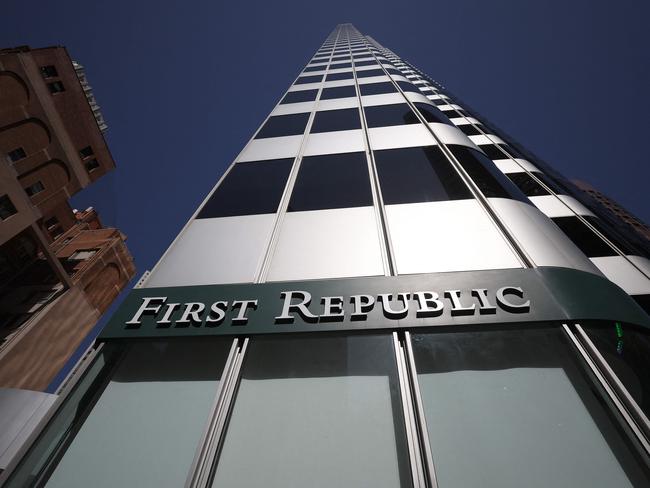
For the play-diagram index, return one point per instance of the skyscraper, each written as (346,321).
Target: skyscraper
(382,290)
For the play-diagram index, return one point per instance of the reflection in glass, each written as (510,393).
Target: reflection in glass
(146,425)
(512,409)
(316,412)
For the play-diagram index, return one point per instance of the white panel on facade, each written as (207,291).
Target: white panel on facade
(271,148)
(542,240)
(411,135)
(341,141)
(516,166)
(293,108)
(621,272)
(219,250)
(418,98)
(450,134)
(381,99)
(559,206)
(338,103)
(332,243)
(483,139)
(455,235)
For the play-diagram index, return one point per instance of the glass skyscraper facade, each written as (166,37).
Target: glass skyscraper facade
(382,290)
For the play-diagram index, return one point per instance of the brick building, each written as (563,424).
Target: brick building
(59,268)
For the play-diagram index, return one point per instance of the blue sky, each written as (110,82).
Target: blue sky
(183,85)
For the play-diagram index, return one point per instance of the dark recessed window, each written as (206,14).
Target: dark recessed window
(469,129)
(91,164)
(300,96)
(485,175)
(527,184)
(86,152)
(614,236)
(249,189)
(408,87)
(370,62)
(583,237)
(377,88)
(393,71)
(314,68)
(346,75)
(386,115)
(370,72)
(341,58)
(418,174)
(452,114)
(333,120)
(332,181)
(7,208)
(49,71)
(16,154)
(439,101)
(340,65)
(283,125)
(51,223)
(56,87)
(338,92)
(34,188)
(432,114)
(494,151)
(308,79)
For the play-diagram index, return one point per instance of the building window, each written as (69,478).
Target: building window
(529,186)
(388,115)
(91,165)
(249,189)
(432,114)
(358,64)
(469,129)
(583,237)
(338,92)
(377,88)
(341,65)
(308,79)
(418,174)
(346,75)
(7,208)
(370,72)
(16,154)
(56,87)
(34,188)
(300,96)
(485,175)
(86,152)
(82,254)
(51,223)
(49,71)
(283,125)
(332,181)
(334,120)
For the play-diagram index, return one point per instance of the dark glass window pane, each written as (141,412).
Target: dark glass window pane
(56,87)
(7,208)
(439,101)
(485,175)
(365,63)
(469,129)
(408,87)
(493,151)
(583,237)
(530,414)
(338,92)
(332,181)
(308,79)
(386,115)
(249,188)
(393,71)
(377,88)
(17,154)
(333,120)
(314,68)
(341,58)
(611,234)
(300,96)
(432,114)
(341,65)
(527,184)
(283,125)
(346,75)
(418,174)
(370,72)
(49,71)
(626,348)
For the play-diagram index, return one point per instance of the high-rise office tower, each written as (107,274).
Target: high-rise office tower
(381,291)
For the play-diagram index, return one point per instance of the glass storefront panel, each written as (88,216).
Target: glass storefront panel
(144,429)
(512,408)
(319,412)
(626,348)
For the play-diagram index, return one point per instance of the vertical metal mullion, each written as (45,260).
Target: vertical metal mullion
(419,409)
(417,472)
(611,393)
(204,460)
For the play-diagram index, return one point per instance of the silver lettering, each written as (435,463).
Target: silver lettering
(243,305)
(430,305)
(361,306)
(457,308)
(332,307)
(300,307)
(507,305)
(484,305)
(388,310)
(135,320)
(192,309)
(219,309)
